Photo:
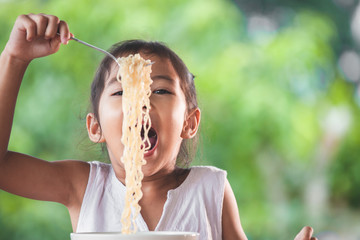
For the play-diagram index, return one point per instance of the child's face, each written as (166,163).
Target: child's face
(168,113)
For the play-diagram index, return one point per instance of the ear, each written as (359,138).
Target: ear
(191,123)
(94,129)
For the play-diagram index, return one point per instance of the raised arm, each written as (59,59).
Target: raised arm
(33,36)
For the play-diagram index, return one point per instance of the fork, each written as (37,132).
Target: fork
(102,50)
(96,48)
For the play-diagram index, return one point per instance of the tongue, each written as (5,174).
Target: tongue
(152,141)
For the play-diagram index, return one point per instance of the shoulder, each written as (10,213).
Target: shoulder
(208,180)
(96,175)
(99,166)
(99,171)
(208,171)
(91,175)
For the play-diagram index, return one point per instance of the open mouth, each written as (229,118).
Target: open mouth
(151,144)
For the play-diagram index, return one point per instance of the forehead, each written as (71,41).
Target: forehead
(161,67)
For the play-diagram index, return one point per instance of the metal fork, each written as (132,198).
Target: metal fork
(102,50)
(96,48)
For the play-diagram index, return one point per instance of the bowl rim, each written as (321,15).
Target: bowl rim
(151,233)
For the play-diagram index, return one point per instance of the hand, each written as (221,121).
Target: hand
(305,234)
(35,35)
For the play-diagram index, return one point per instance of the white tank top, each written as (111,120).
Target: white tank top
(195,206)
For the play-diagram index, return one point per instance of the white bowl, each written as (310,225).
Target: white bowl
(136,236)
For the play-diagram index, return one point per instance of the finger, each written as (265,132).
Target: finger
(305,233)
(55,43)
(41,23)
(52,27)
(25,23)
(308,231)
(64,32)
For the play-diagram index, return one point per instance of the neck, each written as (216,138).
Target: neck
(161,181)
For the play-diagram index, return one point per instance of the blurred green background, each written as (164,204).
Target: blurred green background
(278,85)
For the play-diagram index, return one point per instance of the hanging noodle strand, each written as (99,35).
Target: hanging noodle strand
(134,76)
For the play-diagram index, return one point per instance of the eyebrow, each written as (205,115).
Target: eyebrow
(156,77)
(165,77)
(111,81)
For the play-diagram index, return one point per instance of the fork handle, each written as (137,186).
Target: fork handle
(96,48)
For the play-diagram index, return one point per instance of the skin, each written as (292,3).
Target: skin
(65,181)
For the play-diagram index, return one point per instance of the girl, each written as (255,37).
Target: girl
(198,199)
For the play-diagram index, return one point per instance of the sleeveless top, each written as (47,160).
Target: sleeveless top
(194,206)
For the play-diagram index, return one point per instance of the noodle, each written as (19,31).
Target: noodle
(134,75)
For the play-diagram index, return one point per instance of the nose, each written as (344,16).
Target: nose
(145,107)
(145,112)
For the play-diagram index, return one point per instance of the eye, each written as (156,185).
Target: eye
(161,91)
(119,93)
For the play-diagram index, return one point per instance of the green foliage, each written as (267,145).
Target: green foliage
(264,96)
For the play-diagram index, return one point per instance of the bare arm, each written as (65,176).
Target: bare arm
(231,225)
(231,220)
(33,36)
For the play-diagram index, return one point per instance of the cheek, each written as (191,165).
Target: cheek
(111,116)
(177,118)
